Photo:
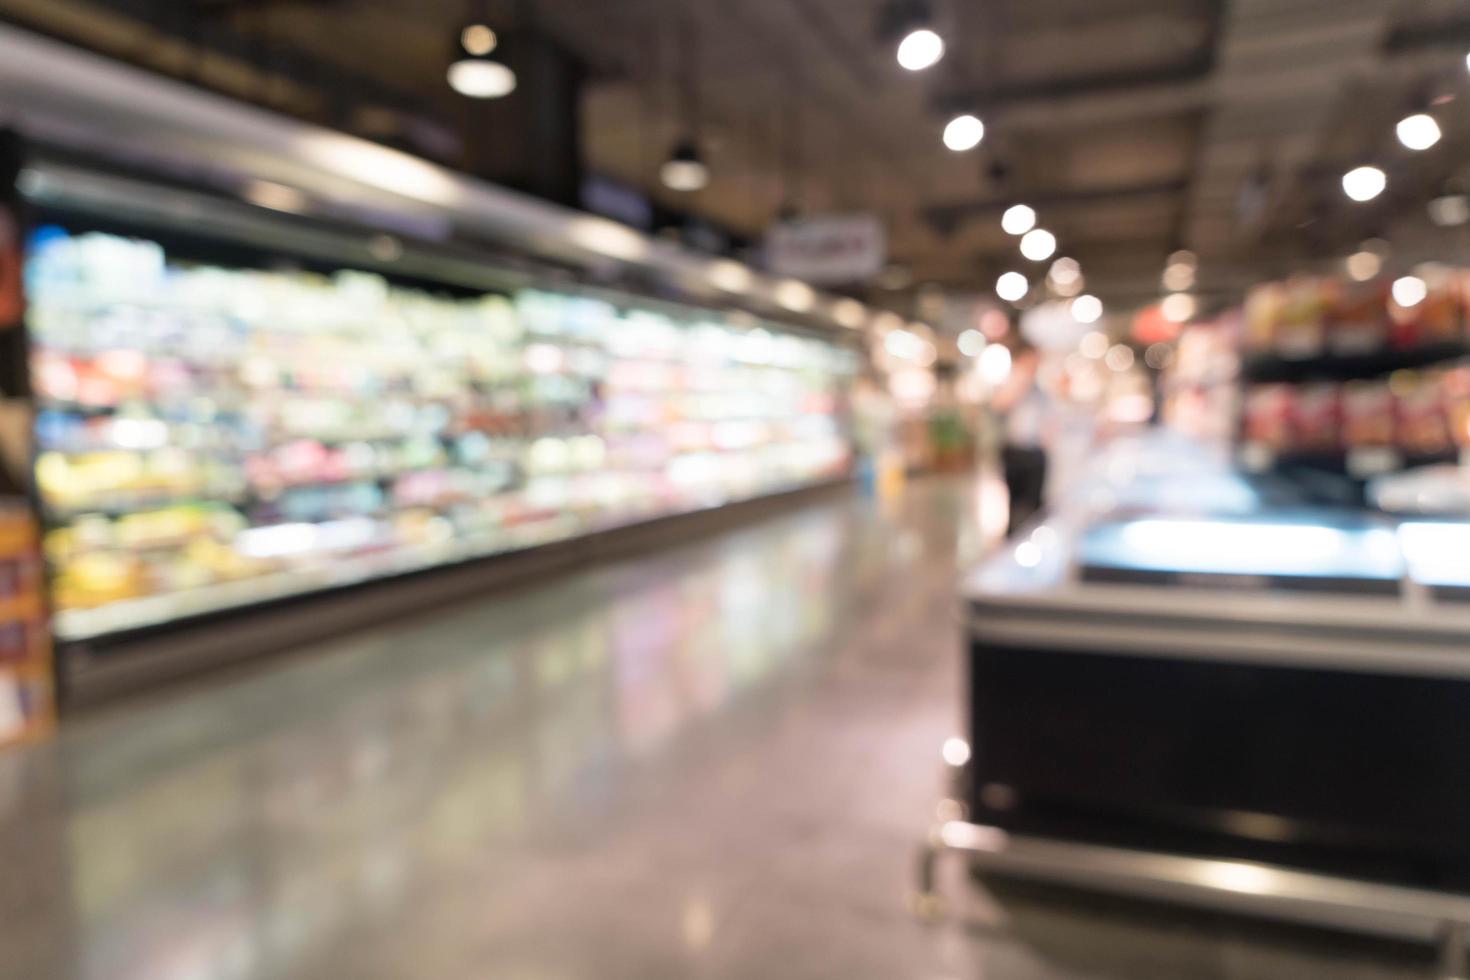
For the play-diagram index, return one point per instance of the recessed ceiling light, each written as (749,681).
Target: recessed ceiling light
(920,49)
(964,133)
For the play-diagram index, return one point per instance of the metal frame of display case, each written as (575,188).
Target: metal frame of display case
(1237,887)
(1408,636)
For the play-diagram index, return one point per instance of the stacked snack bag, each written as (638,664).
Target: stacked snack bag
(1422,412)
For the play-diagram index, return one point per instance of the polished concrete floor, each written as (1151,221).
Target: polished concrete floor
(710,762)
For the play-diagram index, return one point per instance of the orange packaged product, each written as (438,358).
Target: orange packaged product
(1367,414)
(1301,329)
(1457,403)
(1423,426)
(1262,311)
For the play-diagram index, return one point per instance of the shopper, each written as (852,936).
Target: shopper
(1023,457)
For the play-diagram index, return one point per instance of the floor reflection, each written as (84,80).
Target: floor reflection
(252,827)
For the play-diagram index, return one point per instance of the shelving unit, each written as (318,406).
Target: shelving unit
(342,427)
(1273,368)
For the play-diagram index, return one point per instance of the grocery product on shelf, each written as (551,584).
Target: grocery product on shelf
(25,642)
(1418,413)
(1342,373)
(211,437)
(1199,384)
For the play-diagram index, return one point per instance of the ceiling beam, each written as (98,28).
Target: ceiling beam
(955,213)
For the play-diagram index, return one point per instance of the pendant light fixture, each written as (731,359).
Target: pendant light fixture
(475,71)
(910,23)
(685,170)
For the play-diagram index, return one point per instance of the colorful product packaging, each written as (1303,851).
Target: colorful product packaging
(1316,417)
(1268,412)
(1367,414)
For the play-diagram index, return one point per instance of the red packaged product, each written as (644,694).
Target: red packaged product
(1316,418)
(1268,410)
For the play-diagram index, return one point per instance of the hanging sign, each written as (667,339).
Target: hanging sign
(827,249)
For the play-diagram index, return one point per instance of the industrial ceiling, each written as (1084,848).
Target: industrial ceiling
(1134,127)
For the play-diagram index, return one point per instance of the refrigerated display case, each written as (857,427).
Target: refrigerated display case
(1186,685)
(214,435)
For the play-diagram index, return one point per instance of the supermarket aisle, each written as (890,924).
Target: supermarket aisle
(708,763)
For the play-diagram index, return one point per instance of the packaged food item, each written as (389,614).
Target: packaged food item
(1359,321)
(1301,328)
(1262,310)
(1316,417)
(1435,319)
(1268,412)
(1423,426)
(1457,403)
(1367,414)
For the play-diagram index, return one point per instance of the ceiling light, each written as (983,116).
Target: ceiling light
(964,133)
(1418,132)
(277,197)
(481,78)
(1183,256)
(1450,210)
(607,238)
(920,49)
(1087,309)
(887,321)
(995,364)
(994,324)
(1094,344)
(1018,219)
(1178,277)
(1012,286)
(1119,357)
(684,170)
(971,343)
(1409,291)
(901,343)
(1364,183)
(1178,307)
(1038,244)
(1065,271)
(478,40)
(473,73)
(795,295)
(849,313)
(1363,265)
(731,276)
(1067,290)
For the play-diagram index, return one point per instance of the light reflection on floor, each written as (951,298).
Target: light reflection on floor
(711,762)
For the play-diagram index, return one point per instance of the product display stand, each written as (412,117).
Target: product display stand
(1262,712)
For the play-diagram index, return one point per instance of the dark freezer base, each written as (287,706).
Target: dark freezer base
(1358,775)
